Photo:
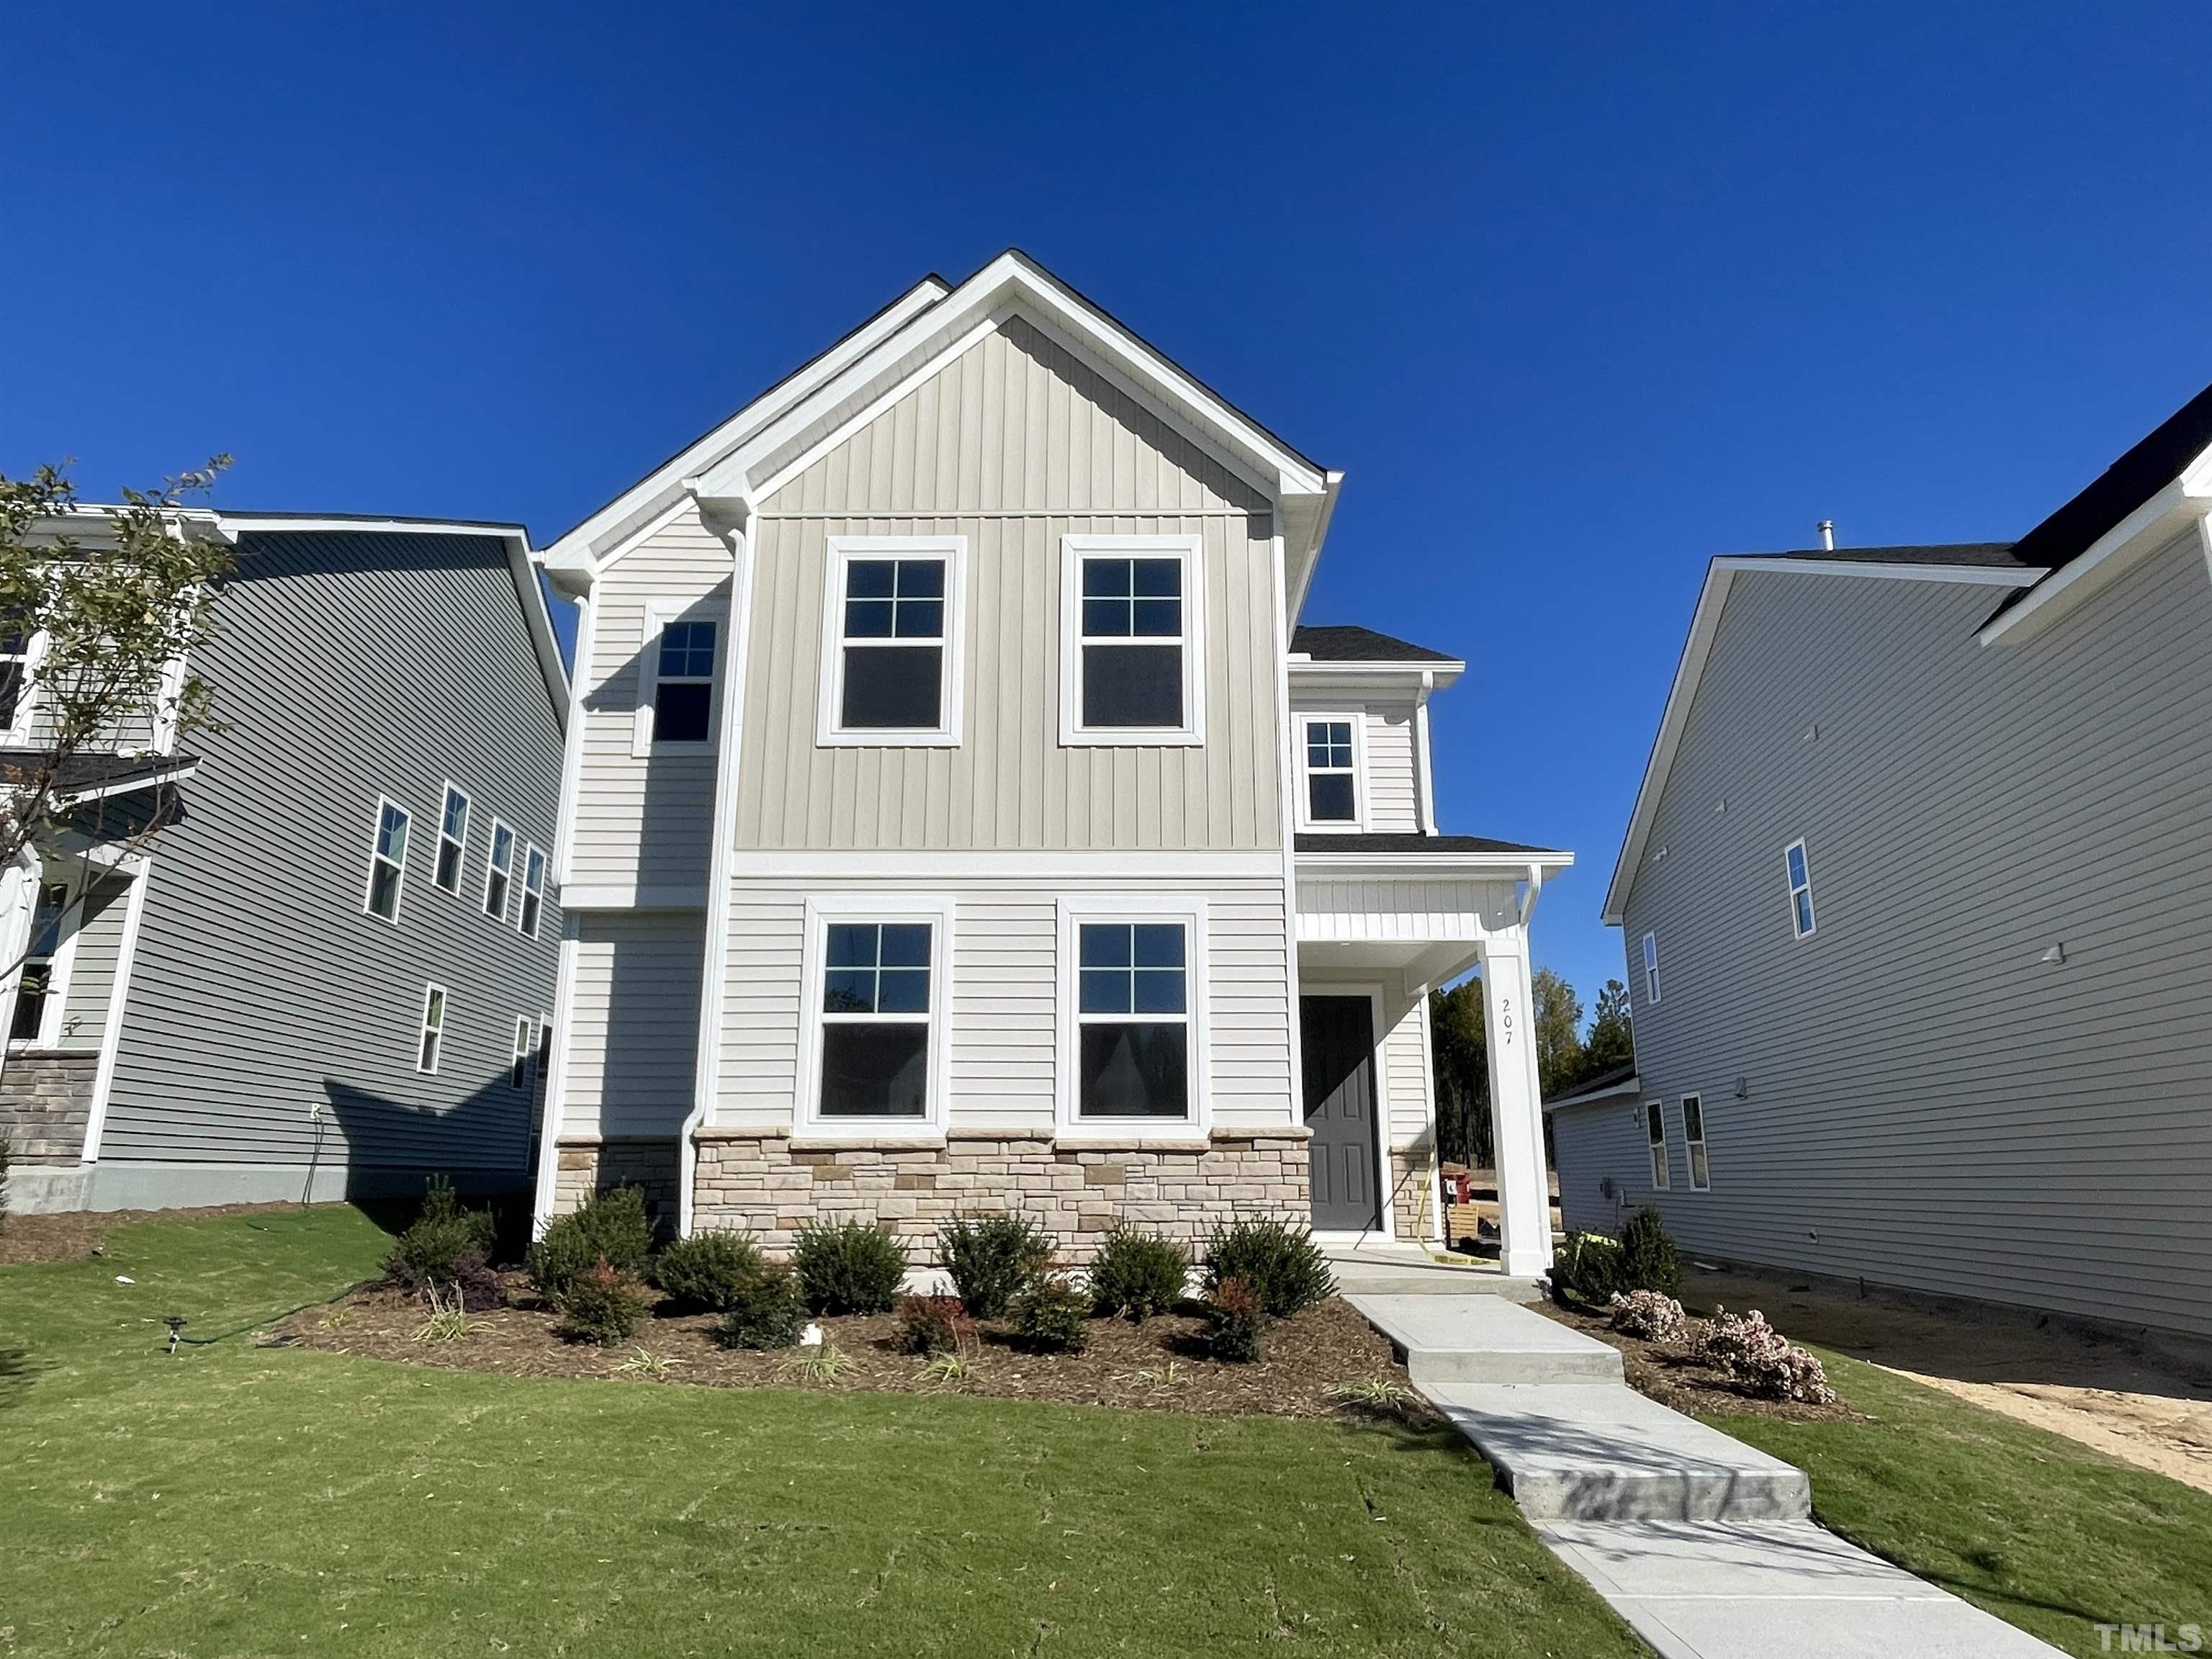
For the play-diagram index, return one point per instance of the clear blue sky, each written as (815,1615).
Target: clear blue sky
(1578,297)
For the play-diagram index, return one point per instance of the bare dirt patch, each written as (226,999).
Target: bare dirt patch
(1666,1373)
(73,1235)
(1159,1365)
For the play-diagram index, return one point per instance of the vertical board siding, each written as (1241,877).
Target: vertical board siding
(344,666)
(644,822)
(632,1024)
(1925,1101)
(92,965)
(1012,445)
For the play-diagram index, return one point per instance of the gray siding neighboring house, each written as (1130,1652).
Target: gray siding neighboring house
(238,1025)
(1985,1070)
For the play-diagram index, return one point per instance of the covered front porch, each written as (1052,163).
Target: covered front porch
(1381,919)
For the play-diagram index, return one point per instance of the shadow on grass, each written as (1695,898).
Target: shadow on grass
(16,1370)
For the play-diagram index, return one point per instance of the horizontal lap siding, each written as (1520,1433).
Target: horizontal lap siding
(1392,779)
(644,822)
(1924,1100)
(634,1024)
(92,965)
(1594,1145)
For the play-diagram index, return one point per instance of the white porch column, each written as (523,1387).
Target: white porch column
(1515,1107)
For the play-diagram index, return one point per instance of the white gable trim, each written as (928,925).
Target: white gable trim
(1704,622)
(2142,532)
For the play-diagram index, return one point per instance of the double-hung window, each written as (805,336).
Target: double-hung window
(431,1041)
(452,840)
(533,890)
(1801,888)
(519,1075)
(1332,766)
(499,871)
(874,982)
(35,990)
(1651,968)
(676,680)
(1136,1045)
(388,861)
(891,641)
(1655,1129)
(1693,1142)
(16,645)
(1131,640)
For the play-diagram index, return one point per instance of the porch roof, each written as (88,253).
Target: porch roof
(92,777)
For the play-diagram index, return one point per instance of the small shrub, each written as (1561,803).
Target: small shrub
(932,1325)
(1587,1266)
(602,1306)
(612,1224)
(1280,1264)
(643,1362)
(1234,1314)
(849,1267)
(1648,1259)
(993,1260)
(1052,1316)
(1137,1274)
(825,1362)
(1647,1313)
(447,1320)
(706,1273)
(1749,1350)
(950,1368)
(767,1311)
(440,1241)
(1380,1396)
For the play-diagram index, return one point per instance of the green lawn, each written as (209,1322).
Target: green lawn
(242,1500)
(2039,1530)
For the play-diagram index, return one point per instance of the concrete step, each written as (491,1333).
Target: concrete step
(1409,1274)
(1603,1452)
(1484,1339)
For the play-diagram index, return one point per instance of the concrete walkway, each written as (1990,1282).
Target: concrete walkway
(1703,1544)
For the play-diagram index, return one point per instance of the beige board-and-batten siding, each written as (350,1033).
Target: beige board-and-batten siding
(1913,1094)
(1012,446)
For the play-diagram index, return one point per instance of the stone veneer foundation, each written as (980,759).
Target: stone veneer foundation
(1413,1185)
(46,1102)
(588,1164)
(768,1184)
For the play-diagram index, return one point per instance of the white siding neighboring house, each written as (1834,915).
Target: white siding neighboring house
(1021,852)
(1924,855)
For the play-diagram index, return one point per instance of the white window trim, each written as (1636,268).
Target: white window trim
(27,701)
(1662,1178)
(829,733)
(491,848)
(530,850)
(1649,950)
(1070,1127)
(524,1058)
(1191,549)
(658,613)
(1694,1151)
(461,860)
(1357,823)
(368,882)
(422,1028)
(1798,848)
(893,908)
(60,965)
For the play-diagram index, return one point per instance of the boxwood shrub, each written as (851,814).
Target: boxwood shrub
(1280,1264)
(993,1260)
(849,1267)
(613,1224)
(707,1272)
(1137,1273)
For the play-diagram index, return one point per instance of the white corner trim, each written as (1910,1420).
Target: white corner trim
(821,910)
(1359,823)
(829,731)
(119,1002)
(644,741)
(1190,550)
(1426,781)
(1190,912)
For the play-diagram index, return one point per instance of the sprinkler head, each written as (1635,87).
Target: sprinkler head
(176,1323)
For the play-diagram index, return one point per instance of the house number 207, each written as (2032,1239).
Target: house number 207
(1505,1020)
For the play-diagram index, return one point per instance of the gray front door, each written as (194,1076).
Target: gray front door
(1339,1035)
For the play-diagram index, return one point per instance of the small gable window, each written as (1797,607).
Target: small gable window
(684,683)
(1131,639)
(890,649)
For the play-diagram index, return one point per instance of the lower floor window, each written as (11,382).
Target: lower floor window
(1693,1136)
(35,987)
(433,1028)
(1655,1129)
(1134,1011)
(875,1019)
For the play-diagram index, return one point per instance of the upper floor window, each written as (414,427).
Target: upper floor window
(431,1041)
(1655,1130)
(499,871)
(533,890)
(35,991)
(1650,968)
(1801,888)
(452,840)
(1131,640)
(891,641)
(1332,767)
(1693,1142)
(675,680)
(15,649)
(875,1013)
(387,860)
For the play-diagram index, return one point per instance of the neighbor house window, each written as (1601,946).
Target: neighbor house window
(433,1028)
(1130,640)
(1693,1138)
(1801,888)
(35,990)
(526,1047)
(15,676)
(1133,1012)
(891,641)
(499,871)
(1650,968)
(875,1019)
(388,861)
(1332,771)
(452,840)
(1655,1127)
(533,890)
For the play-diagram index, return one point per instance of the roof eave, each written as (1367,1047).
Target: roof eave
(2145,530)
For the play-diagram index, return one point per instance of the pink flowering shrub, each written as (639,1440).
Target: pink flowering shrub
(1751,1352)
(1647,1313)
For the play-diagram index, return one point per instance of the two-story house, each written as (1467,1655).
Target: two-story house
(1918,903)
(331,972)
(953,819)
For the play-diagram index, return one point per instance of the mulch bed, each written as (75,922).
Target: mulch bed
(1663,1372)
(73,1235)
(1124,1365)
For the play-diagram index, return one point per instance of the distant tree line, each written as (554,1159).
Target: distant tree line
(1565,1055)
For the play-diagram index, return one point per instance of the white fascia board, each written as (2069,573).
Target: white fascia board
(1400,678)
(2141,532)
(1611,1094)
(1437,865)
(176,774)
(578,551)
(1302,542)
